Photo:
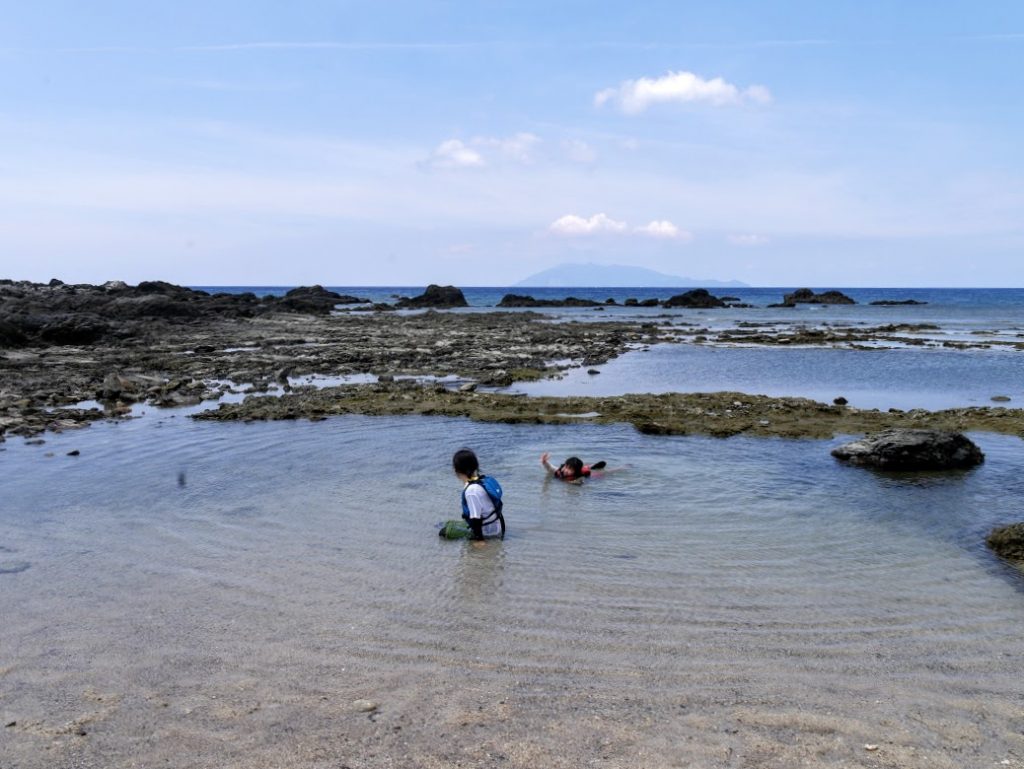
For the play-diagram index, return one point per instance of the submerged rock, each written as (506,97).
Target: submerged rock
(895,302)
(909,449)
(1007,541)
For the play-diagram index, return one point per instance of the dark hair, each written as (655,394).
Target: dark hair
(573,464)
(465,462)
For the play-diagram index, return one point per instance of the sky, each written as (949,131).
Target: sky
(257,142)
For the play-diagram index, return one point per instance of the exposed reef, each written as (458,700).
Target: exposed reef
(717,414)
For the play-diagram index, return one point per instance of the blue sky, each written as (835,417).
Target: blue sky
(474,143)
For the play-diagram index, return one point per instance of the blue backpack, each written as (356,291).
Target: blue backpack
(493,489)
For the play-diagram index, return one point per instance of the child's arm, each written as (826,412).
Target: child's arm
(547,465)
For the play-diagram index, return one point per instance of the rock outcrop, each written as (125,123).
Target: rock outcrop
(62,314)
(316,300)
(1008,541)
(697,298)
(435,297)
(522,300)
(807,296)
(908,449)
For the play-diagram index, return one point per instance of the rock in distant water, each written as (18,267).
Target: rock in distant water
(1008,541)
(698,297)
(905,449)
(806,296)
(315,300)
(523,300)
(438,297)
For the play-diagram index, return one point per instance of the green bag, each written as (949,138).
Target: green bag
(457,529)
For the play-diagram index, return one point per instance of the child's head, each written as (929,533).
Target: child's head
(571,468)
(464,462)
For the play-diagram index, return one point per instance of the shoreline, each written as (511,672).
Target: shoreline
(168,346)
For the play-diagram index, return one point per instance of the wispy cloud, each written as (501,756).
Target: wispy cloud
(454,154)
(483,150)
(663,230)
(336,45)
(635,96)
(226,85)
(518,147)
(571,224)
(747,240)
(578,151)
(601,224)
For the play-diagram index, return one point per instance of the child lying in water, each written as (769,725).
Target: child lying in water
(571,470)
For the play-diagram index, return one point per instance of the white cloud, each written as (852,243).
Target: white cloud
(635,96)
(664,229)
(747,240)
(482,150)
(570,224)
(518,147)
(454,154)
(579,151)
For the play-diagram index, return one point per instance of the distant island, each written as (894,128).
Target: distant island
(617,275)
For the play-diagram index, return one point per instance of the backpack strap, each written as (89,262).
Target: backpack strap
(494,515)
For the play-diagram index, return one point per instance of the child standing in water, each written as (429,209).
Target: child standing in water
(481,501)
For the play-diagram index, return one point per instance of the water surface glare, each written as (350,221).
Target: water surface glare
(713,598)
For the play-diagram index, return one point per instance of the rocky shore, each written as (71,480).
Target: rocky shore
(165,345)
(719,414)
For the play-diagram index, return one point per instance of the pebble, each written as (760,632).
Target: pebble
(74,453)
(871,748)
(365,706)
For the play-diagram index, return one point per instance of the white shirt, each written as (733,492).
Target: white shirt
(480,506)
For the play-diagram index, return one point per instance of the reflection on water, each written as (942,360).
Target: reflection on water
(300,565)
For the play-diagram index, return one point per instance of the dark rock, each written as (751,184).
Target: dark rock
(315,300)
(649,303)
(74,453)
(905,449)
(806,296)
(840,401)
(72,330)
(438,297)
(521,300)
(698,297)
(631,302)
(11,335)
(593,371)
(54,283)
(1007,541)
(894,302)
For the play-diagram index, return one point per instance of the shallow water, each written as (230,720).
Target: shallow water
(204,594)
(882,379)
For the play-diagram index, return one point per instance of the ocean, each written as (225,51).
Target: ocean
(220,594)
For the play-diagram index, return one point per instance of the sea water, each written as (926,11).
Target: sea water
(178,579)
(196,594)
